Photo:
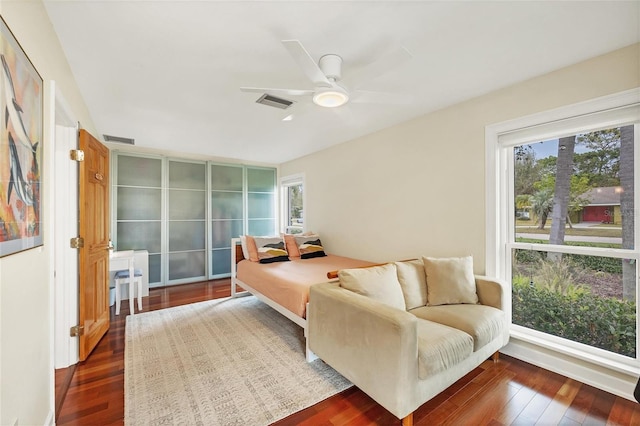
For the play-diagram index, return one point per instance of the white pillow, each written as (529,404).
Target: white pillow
(450,280)
(413,282)
(243,243)
(378,282)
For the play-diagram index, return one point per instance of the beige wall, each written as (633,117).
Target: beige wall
(418,188)
(26,279)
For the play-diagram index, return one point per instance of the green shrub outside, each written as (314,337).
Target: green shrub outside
(594,263)
(597,263)
(580,316)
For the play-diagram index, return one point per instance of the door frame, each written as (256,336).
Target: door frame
(65,226)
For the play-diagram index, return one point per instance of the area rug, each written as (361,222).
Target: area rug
(219,362)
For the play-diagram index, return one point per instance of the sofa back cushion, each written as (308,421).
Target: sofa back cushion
(413,282)
(378,282)
(450,280)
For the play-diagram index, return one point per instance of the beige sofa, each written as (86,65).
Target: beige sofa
(385,329)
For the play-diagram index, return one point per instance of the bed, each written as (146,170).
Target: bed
(285,285)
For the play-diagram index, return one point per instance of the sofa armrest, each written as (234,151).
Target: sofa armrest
(373,345)
(491,292)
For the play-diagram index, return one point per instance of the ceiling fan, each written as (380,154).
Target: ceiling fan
(329,89)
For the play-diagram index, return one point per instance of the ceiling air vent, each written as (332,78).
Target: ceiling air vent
(273,101)
(118,139)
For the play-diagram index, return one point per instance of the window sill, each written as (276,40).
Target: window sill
(621,367)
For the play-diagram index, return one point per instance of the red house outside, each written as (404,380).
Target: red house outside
(604,205)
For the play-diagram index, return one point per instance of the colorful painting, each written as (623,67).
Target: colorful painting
(20,148)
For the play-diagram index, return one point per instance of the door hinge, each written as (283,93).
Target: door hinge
(76,331)
(77,242)
(77,154)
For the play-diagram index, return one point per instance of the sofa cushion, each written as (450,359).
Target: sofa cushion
(450,280)
(483,323)
(440,347)
(413,282)
(379,283)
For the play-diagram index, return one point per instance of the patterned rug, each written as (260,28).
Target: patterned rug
(220,362)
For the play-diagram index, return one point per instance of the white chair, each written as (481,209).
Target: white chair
(126,258)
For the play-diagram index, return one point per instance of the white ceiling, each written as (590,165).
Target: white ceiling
(168,73)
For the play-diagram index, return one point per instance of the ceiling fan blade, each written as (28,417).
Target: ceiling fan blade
(380,66)
(306,62)
(273,91)
(366,96)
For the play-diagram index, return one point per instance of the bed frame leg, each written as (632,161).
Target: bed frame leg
(408,421)
(496,356)
(309,355)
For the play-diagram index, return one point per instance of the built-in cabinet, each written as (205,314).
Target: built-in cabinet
(137,199)
(180,210)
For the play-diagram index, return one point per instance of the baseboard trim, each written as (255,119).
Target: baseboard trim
(599,376)
(51,421)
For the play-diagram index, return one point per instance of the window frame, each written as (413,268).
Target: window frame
(500,139)
(285,183)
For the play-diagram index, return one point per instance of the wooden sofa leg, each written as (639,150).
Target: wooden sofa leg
(408,421)
(495,356)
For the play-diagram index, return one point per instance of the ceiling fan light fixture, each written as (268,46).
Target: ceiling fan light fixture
(330,97)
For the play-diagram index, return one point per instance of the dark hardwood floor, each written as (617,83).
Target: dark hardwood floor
(510,392)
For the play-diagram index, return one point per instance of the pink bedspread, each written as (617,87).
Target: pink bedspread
(287,283)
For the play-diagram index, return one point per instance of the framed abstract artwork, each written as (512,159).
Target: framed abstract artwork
(21,125)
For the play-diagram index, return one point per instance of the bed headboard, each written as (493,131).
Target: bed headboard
(239,254)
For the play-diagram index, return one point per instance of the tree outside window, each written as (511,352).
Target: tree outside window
(578,195)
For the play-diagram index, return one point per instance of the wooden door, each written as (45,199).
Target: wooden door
(94,229)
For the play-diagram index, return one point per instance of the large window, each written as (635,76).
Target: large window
(564,227)
(292,196)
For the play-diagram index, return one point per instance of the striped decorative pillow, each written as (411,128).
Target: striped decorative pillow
(271,250)
(310,246)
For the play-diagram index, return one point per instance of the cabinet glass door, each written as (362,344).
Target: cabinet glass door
(186,220)
(226,215)
(261,201)
(138,200)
